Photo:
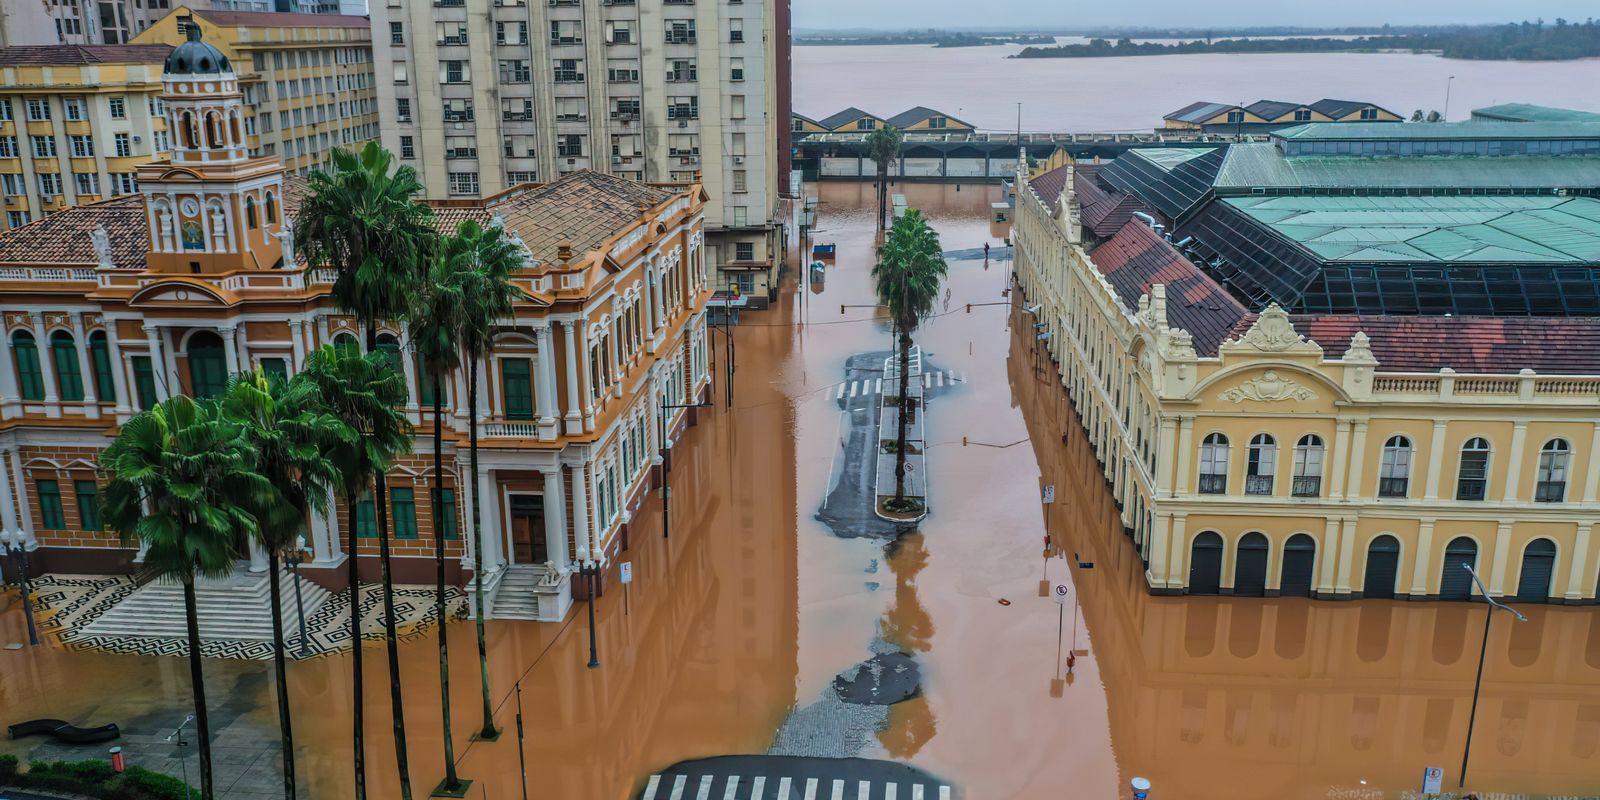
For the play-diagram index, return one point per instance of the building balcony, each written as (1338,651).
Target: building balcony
(1393,487)
(1213,484)
(1258,484)
(1306,486)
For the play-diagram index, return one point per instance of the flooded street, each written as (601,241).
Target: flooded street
(754,605)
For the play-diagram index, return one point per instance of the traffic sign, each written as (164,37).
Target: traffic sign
(1059,592)
(1432,780)
(627,572)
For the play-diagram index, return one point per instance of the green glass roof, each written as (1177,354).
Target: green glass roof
(1526,112)
(1262,165)
(1458,230)
(1474,131)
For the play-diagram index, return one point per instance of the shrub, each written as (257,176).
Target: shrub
(141,783)
(8,768)
(95,778)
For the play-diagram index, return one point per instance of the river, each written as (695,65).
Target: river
(982,86)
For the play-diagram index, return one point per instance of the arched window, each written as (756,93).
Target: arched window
(1308,454)
(64,356)
(272,208)
(1214,464)
(1394,475)
(250,212)
(100,361)
(187,131)
(389,346)
(208,370)
(347,345)
(213,130)
(1554,460)
(1472,478)
(25,353)
(1262,464)
(1455,582)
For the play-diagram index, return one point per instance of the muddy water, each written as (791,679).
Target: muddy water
(753,606)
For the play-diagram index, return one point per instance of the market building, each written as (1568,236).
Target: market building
(111,307)
(1309,370)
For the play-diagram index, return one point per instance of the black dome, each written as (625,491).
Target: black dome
(195,57)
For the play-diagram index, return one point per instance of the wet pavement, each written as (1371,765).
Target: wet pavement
(755,605)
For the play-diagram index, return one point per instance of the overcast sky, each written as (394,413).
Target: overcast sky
(902,14)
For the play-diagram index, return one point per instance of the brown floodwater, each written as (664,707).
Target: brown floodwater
(753,606)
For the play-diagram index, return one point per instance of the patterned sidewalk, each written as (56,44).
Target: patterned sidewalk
(66,604)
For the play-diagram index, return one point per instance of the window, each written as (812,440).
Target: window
(82,146)
(49,184)
(1235,117)
(408,147)
(1262,464)
(1554,460)
(118,106)
(735,30)
(1308,454)
(403,504)
(680,31)
(38,108)
(571,109)
(1214,464)
(50,513)
(741,216)
(566,31)
(1302,115)
(16,219)
(445,510)
(400,76)
(568,70)
(402,108)
(397,33)
(938,123)
(740,181)
(464,183)
(208,372)
(460,147)
(122,144)
(8,147)
(684,107)
(681,70)
(1369,114)
(25,351)
(516,109)
(64,356)
(744,251)
(517,385)
(5,110)
(619,32)
(73,108)
(736,108)
(515,71)
(366,519)
(624,107)
(452,72)
(276,369)
(1472,479)
(100,361)
(511,33)
(86,182)
(124,183)
(144,382)
(517,177)
(1394,474)
(735,69)
(520,145)
(621,70)
(569,145)
(88,505)
(458,110)
(44,146)
(452,33)
(866,124)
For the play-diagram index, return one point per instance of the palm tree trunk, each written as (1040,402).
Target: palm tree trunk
(883,191)
(285,729)
(488,731)
(380,505)
(358,690)
(197,684)
(900,424)
(451,781)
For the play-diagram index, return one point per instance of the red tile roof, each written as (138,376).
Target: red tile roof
(66,54)
(1547,345)
(1048,186)
(1136,258)
(1102,209)
(280,19)
(582,209)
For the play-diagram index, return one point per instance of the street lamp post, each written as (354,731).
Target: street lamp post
(294,559)
(666,491)
(1450,82)
(1483,650)
(590,569)
(17,542)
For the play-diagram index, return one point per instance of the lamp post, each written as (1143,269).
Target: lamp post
(1477,683)
(17,542)
(666,491)
(591,569)
(1449,82)
(294,559)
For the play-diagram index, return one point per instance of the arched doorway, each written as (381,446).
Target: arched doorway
(208,370)
(1383,564)
(1538,564)
(1250,566)
(1299,561)
(1455,583)
(1205,564)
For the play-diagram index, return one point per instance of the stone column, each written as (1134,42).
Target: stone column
(1337,463)
(19,485)
(1421,557)
(241,346)
(485,402)
(1591,481)
(544,384)
(325,532)
(47,365)
(158,368)
(580,510)
(588,384)
(1178,553)
(1181,481)
(119,371)
(230,347)
(492,559)
(10,395)
(297,343)
(408,366)
(555,515)
(1435,460)
(1329,550)
(1347,556)
(1578,573)
(1358,459)
(574,417)
(1519,441)
(258,558)
(1502,557)
(91,399)
(8,511)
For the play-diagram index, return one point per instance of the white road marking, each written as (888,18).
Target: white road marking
(927,381)
(783,788)
(677,787)
(853,389)
(839,395)
(938,379)
(944,793)
(705,788)
(916,791)
(758,787)
(811,789)
(838,789)
(879,389)
(864,790)
(733,786)
(890,790)
(650,788)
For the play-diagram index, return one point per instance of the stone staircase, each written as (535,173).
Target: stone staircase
(237,608)
(526,591)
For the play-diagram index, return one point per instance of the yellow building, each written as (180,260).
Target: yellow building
(852,120)
(800,123)
(75,122)
(307,79)
(1259,453)
(1263,115)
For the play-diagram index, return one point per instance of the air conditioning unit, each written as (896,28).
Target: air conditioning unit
(738,159)
(137,139)
(683,123)
(616,159)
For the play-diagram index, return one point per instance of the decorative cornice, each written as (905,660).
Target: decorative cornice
(1269,388)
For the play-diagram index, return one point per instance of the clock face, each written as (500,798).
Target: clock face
(190,207)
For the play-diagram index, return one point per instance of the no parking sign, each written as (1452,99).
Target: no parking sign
(1060,593)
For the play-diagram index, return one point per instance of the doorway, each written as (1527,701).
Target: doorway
(1250,566)
(1205,564)
(528,544)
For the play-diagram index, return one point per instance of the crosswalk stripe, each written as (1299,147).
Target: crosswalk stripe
(758,786)
(938,378)
(927,381)
(811,789)
(677,787)
(916,791)
(705,788)
(879,389)
(733,786)
(783,788)
(650,788)
(864,790)
(944,793)
(853,389)
(838,789)
(890,790)
(840,394)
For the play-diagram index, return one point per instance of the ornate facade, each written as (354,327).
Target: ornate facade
(112,306)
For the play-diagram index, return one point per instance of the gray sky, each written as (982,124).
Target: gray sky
(902,14)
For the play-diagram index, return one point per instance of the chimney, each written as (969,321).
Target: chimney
(564,253)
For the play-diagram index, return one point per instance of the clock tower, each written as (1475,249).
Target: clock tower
(212,208)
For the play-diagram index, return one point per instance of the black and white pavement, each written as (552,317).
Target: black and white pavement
(793,778)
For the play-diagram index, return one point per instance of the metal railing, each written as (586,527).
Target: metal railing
(1258,484)
(1213,484)
(1393,487)
(1306,486)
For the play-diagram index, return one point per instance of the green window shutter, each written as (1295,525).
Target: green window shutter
(346,345)
(144,381)
(390,348)
(403,503)
(447,514)
(276,368)
(50,514)
(69,378)
(425,382)
(88,505)
(366,520)
(100,360)
(30,380)
(208,374)
(517,386)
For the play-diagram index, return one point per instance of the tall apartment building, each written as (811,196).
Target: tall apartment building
(307,79)
(28,22)
(75,122)
(480,95)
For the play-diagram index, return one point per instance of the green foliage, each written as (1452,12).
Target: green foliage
(8,767)
(480,261)
(910,268)
(1530,41)
(365,394)
(95,779)
(883,145)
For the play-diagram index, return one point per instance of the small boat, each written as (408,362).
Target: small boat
(823,250)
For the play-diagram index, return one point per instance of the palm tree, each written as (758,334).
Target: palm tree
(363,392)
(883,147)
(184,485)
(290,431)
(364,221)
(910,267)
(482,261)
(435,328)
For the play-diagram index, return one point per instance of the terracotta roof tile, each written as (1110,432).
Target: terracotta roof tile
(1136,258)
(582,209)
(1048,186)
(64,238)
(1102,209)
(84,54)
(1547,345)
